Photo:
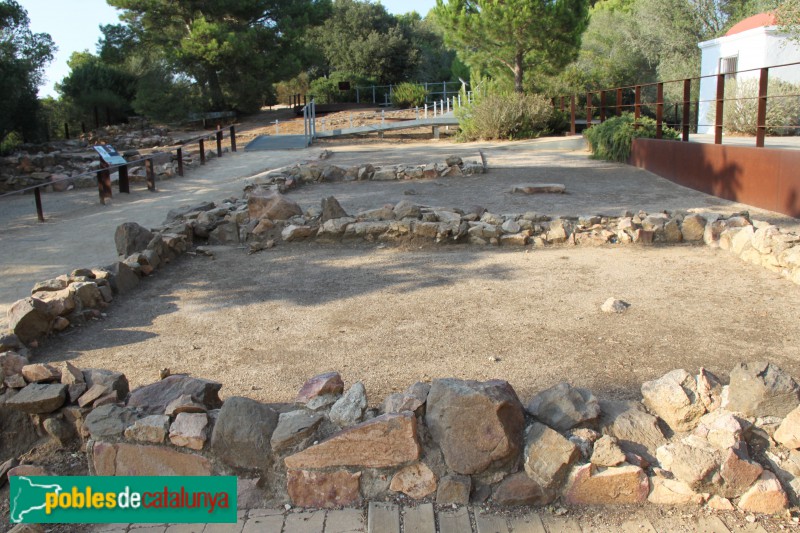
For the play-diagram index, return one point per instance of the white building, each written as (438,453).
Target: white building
(753,43)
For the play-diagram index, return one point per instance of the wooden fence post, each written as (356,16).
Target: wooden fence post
(124,183)
(202,144)
(233,138)
(151,175)
(180,161)
(659,110)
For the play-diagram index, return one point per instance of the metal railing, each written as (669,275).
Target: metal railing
(310,122)
(103,173)
(612,102)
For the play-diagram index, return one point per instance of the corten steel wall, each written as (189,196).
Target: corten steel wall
(761,177)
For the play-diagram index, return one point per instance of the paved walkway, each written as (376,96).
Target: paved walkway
(424,518)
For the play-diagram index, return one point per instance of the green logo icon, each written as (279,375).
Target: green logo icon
(111,499)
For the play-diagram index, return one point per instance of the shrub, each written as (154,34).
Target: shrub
(740,115)
(408,95)
(326,90)
(612,140)
(505,116)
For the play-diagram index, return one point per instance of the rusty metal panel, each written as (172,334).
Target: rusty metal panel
(761,177)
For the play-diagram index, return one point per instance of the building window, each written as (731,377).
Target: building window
(729,66)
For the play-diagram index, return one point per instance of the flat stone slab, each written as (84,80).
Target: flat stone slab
(539,188)
(277,142)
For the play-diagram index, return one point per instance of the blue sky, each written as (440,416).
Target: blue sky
(74,26)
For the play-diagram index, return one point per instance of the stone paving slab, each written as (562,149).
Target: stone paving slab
(382,517)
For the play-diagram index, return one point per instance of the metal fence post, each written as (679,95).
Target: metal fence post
(373,95)
(572,129)
(720,109)
(562,104)
(151,175)
(687,109)
(619,102)
(202,144)
(180,161)
(233,139)
(761,120)
(659,110)
(602,106)
(37,195)
(637,105)
(358,96)
(124,184)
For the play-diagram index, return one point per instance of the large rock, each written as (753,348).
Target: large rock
(539,188)
(674,398)
(153,399)
(189,430)
(242,433)
(762,389)
(693,228)
(636,430)
(765,496)
(323,384)
(331,209)
(673,492)
(271,205)
(619,485)
(738,472)
(293,428)
(607,452)
(11,363)
(226,233)
(720,428)
(692,460)
(386,441)
(109,421)
(153,428)
(564,407)
(548,456)
(123,278)
(41,373)
(297,233)
(415,481)
(130,238)
(454,489)
(478,425)
(115,381)
(519,489)
(788,432)
(123,459)
(337,488)
(29,319)
(349,409)
(38,398)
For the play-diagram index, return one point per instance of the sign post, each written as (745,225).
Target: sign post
(108,157)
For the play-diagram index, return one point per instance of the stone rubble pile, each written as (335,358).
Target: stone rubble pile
(690,441)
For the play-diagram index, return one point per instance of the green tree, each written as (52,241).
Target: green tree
(234,50)
(788,14)
(93,85)
(23,56)
(363,39)
(511,36)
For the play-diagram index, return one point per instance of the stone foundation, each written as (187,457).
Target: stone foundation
(691,441)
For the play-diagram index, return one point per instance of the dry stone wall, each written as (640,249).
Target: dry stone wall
(691,439)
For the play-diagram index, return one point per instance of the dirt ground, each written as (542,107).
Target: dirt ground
(262,324)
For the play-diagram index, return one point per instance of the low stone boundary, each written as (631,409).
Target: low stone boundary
(690,441)
(265,216)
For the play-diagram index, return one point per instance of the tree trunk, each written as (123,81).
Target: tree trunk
(217,99)
(518,72)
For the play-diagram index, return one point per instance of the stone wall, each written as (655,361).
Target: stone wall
(690,441)
(264,217)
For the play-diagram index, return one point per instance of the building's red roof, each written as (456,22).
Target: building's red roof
(756,21)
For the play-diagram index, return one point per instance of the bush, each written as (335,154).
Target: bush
(612,140)
(505,116)
(326,90)
(740,115)
(408,95)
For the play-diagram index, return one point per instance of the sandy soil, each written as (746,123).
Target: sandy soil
(262,324)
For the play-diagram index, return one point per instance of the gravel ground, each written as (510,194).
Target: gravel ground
(264,323)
